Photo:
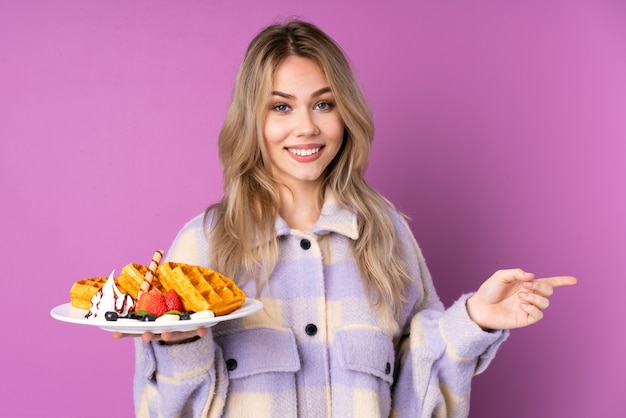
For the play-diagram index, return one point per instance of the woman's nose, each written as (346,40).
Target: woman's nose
(305,125)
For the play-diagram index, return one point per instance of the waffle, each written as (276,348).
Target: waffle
(130,279)
(84,290)
(201,288)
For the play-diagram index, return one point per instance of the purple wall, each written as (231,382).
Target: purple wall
(500,131)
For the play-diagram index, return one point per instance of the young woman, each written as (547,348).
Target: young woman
(351,324)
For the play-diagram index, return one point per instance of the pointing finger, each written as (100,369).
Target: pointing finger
(558,281)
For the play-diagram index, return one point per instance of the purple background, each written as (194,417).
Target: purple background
(501,132)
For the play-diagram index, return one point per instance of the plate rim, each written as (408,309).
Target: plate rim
(249,307)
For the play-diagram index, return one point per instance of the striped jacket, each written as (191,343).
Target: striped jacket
(318,348)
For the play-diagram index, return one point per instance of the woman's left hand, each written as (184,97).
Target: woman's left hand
(513,299)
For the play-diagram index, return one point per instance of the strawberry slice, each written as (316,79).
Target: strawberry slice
(157,304)
(142,302)
(152,302)
(172,301)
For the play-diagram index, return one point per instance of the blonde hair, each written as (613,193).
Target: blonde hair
(243,235)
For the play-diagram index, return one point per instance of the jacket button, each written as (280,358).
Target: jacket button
(231,364)
(305,244)
(387,368)
(310,330)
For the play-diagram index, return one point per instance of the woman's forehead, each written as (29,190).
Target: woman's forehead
(297,73)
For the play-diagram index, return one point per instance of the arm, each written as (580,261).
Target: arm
(442,349)
(178,380)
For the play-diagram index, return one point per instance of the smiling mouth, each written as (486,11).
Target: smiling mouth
(304,152)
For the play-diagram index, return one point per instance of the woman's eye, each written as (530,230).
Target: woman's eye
(323,106)
(281,107)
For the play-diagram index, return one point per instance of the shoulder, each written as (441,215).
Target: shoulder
(191,245)
(201,222)
(197,222)
(399,220)
(403,230)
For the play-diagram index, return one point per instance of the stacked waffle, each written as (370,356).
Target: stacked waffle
(199,288)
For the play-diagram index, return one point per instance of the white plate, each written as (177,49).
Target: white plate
(68,313)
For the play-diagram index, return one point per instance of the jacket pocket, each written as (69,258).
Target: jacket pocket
(261,350)
(366,351)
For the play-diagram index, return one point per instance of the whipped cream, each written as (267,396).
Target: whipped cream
(109,298)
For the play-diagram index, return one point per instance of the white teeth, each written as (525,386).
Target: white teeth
(303,152)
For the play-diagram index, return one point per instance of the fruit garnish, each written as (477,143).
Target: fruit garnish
(168,318)
(148,317)
(173,312)
(138,314)
(157,305)
(152,302)
(111,316)
(152,305)
(202,315)
(172,301)
(142,303)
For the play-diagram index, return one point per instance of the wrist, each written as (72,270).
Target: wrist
(474,312)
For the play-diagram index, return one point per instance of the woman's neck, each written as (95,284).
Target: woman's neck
(300,207)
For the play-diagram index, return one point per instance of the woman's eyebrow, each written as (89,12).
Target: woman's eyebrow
(321,91)
(316,93)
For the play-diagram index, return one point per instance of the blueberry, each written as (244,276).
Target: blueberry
(185,316)
(111,316)
(148,317)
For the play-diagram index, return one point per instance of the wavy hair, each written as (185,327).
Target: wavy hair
(243,236)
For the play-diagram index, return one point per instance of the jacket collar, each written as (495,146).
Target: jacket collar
(334,218)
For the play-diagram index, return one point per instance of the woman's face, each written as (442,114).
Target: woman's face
(303,130)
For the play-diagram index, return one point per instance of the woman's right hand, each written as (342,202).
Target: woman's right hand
(169,338)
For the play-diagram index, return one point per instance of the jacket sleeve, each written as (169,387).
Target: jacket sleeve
(179,380)
(441,350)
(186,379)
